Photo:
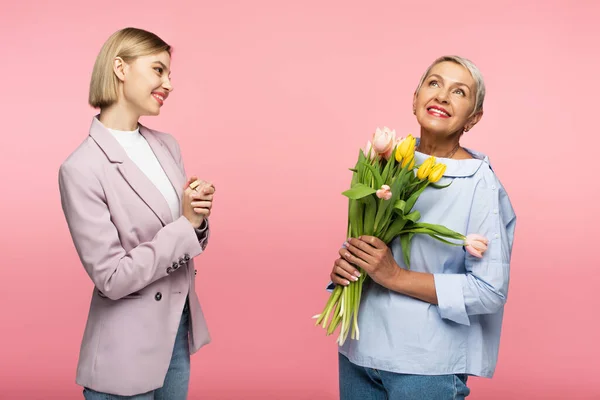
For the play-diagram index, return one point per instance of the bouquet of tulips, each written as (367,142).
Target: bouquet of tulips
(384,189)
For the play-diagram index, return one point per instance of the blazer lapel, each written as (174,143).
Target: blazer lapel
(166,160)
(138,181)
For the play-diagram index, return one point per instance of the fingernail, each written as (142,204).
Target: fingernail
(354,278)
(346,283)
(345,244)
(357,273)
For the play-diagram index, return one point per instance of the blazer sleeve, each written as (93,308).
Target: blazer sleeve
(114,271)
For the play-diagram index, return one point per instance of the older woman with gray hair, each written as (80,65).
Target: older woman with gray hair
(425,330)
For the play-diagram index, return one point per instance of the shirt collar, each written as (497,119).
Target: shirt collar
(457,168)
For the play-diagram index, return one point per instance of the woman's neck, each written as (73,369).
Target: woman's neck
(117,117)
(437,146)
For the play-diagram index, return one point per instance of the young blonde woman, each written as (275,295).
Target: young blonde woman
(137,223)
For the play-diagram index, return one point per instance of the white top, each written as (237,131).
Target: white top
(140,152)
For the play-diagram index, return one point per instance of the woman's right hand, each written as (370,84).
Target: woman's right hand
(197,202)
(343,272)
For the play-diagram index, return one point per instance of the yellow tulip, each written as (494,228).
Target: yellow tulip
(410,161)
(425,168)
(437,172)
(406,148)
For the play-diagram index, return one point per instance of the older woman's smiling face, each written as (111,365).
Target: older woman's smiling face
(445,101)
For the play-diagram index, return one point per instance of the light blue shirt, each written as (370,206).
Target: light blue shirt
(461,334)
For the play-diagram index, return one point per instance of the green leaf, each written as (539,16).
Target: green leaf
(370,204)
(413,199)
(405,242)
(435,185)
(383,206)
(376,175)
(400,206)
(441,230)
(356,218)
(388,170)
(413,216)
(445,241)
(358,191)
(394,230)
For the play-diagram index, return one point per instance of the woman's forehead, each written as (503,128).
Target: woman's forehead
(452,72)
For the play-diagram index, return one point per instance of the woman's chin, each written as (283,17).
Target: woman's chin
(151,113)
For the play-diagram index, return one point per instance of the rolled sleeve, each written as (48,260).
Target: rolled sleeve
(483,288)
(451,303)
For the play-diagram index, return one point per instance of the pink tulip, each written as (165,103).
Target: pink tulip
(384,141)
(369,148)
(476,245)
(384,193)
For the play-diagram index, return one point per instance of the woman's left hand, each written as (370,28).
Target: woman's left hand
(201,196)
(374,257)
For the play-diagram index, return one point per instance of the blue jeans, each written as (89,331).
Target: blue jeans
(360,383)
(177,380)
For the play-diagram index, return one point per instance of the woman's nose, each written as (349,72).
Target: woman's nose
(167,85)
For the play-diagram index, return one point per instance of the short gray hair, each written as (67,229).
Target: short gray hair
(475,73)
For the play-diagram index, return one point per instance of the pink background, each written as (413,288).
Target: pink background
(272,101)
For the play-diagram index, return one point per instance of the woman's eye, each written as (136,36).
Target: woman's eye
(433,83)
(159,70)
(460,92)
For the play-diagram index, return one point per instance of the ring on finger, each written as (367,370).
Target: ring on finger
(194,185)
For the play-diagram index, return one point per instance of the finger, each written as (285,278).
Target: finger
(202,204)
(341,272)
(202,211)
(201,195)
(208,197)
(204,184)
(338,280)
(361,250)
(351,258)
(346,266)
(203,192)
(190,180)
(373,241)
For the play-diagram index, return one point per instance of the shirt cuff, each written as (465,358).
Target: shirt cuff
(451,302)
(330,287)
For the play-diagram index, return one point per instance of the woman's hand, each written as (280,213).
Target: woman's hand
(343,272)
(197,202)
(374,257)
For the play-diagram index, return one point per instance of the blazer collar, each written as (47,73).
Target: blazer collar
(138,181)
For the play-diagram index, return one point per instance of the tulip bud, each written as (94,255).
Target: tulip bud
(406,148)
(476,245)
(437,172)
(425,168)
(410,161)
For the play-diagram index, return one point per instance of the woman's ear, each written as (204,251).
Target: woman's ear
(119,67)
(473,121)
(415,103)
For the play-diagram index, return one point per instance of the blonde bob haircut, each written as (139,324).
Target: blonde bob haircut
(128,44)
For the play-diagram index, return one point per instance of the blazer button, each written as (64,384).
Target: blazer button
(186,257)
(169,270)
(175,265)
(158,296)
(195,272)
(181,261)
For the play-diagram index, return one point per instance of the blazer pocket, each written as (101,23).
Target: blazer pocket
(135,295)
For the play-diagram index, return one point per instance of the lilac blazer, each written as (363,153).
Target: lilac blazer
(140,260)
